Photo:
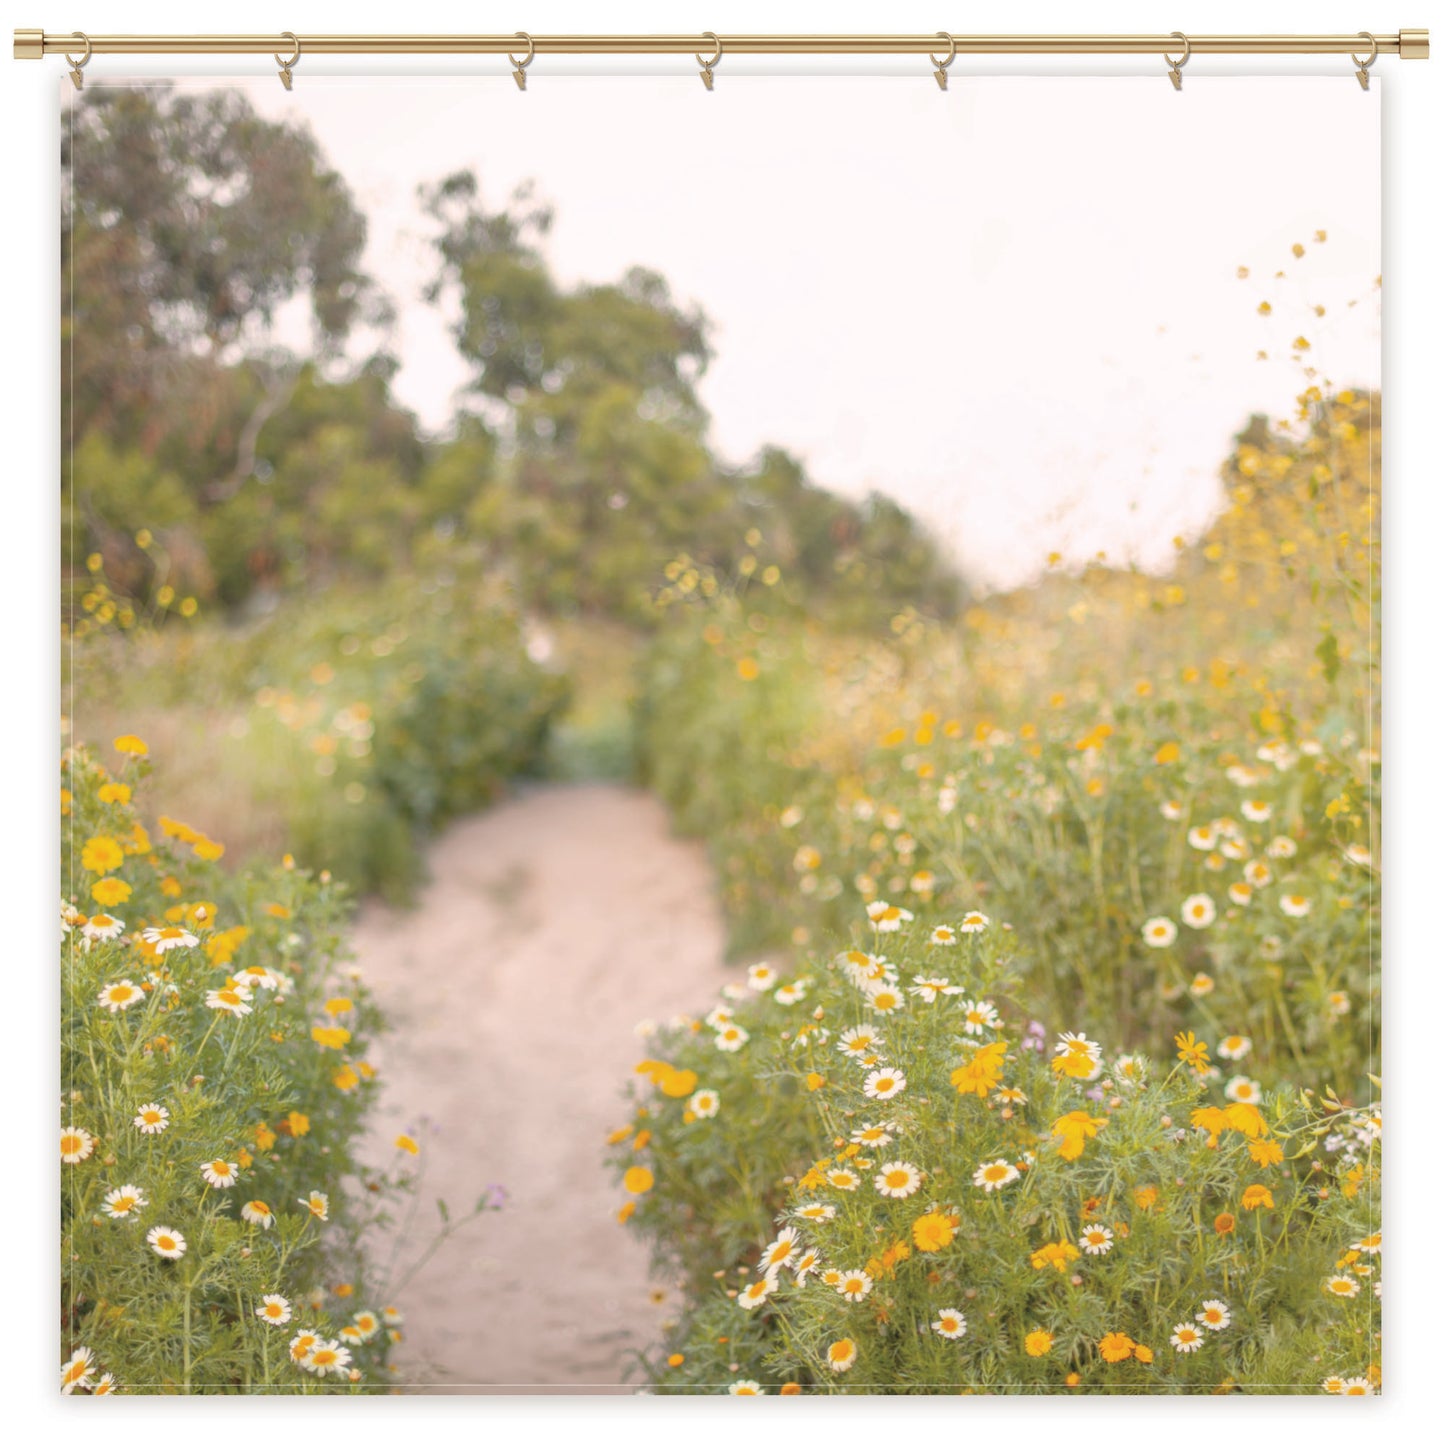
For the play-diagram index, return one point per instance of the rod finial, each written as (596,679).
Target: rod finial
(1414,44)
(30,45)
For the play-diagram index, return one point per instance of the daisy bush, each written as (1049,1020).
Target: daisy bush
(214,1083)
(880,1174)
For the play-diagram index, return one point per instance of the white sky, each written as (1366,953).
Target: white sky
(1013,306)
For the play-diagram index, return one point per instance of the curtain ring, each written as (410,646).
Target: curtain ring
(1175,66)
(519,71)
(1362,67)
(940,73)
(705,74)
(76,66)
(284,74)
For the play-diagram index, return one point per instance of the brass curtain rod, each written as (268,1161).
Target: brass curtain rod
(36,44)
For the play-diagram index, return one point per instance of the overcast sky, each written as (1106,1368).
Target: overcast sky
(1013,306)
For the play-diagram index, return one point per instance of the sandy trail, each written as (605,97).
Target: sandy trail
(550,927)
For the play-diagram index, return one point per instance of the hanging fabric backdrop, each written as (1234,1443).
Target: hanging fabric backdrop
(721,740)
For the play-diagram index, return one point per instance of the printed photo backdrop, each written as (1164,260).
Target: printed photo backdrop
(720,742)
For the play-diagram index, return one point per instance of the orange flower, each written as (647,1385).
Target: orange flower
(1257,1197)
(1224,1223)
(1115,1347)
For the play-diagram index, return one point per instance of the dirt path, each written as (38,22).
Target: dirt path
(551,926)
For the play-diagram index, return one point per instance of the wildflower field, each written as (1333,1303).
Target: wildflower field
(1062,1068)
(1047,1057)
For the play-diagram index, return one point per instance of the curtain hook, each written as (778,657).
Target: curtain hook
(285,72)
(705,74)
(1362,67)
(1175,66)
(519,72)
(76,66)
(940,73)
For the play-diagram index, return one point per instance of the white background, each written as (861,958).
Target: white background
(1413,96)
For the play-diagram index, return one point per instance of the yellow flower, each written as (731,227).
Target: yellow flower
(337,1006)
(1192,1051)
(113,793)
(934,1231)
(1073,1129)
(297,1124)
(1257,1196)
(981,1074)
(1144,1354)
(1266,1152)
(131,745)
(346,1078)
(265,1137)
(407,1143)
(1038,1342)
(627,1211)
(208,850)
(637,1180)
(1168,753)
(109,892)
(1059,1255)
(102,855)
(333,1037)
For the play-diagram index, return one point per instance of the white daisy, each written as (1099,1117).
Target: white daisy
(1295,905)
(124,1203)
(994,1175)
(862,1042)
(871,1136)
(76,1145)
(973,923)
(704,1103)
(1186,1339)
(978,1015)
(220,1173)
(931,989)
(257,1211)
(327,1357)
(885,1083)
(1240,1090)
(943,936)
(1160,932)
(754,1294)
(781,1253)
(101,928)
(1281,847)
(1256,811)
(950,1324)
(854,1284)
(1096,1239)
(75,1373)
(167,1242)
(1198,910)
(162,940)
(1213,1314)
(897,1180)
(887,917)
(119,995)
(275,1309)
(745,1387)
(1236,1046)
(761,978)
(815,1212)
(152,1119)
(844,1179)
(235,999)
(730,1038)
